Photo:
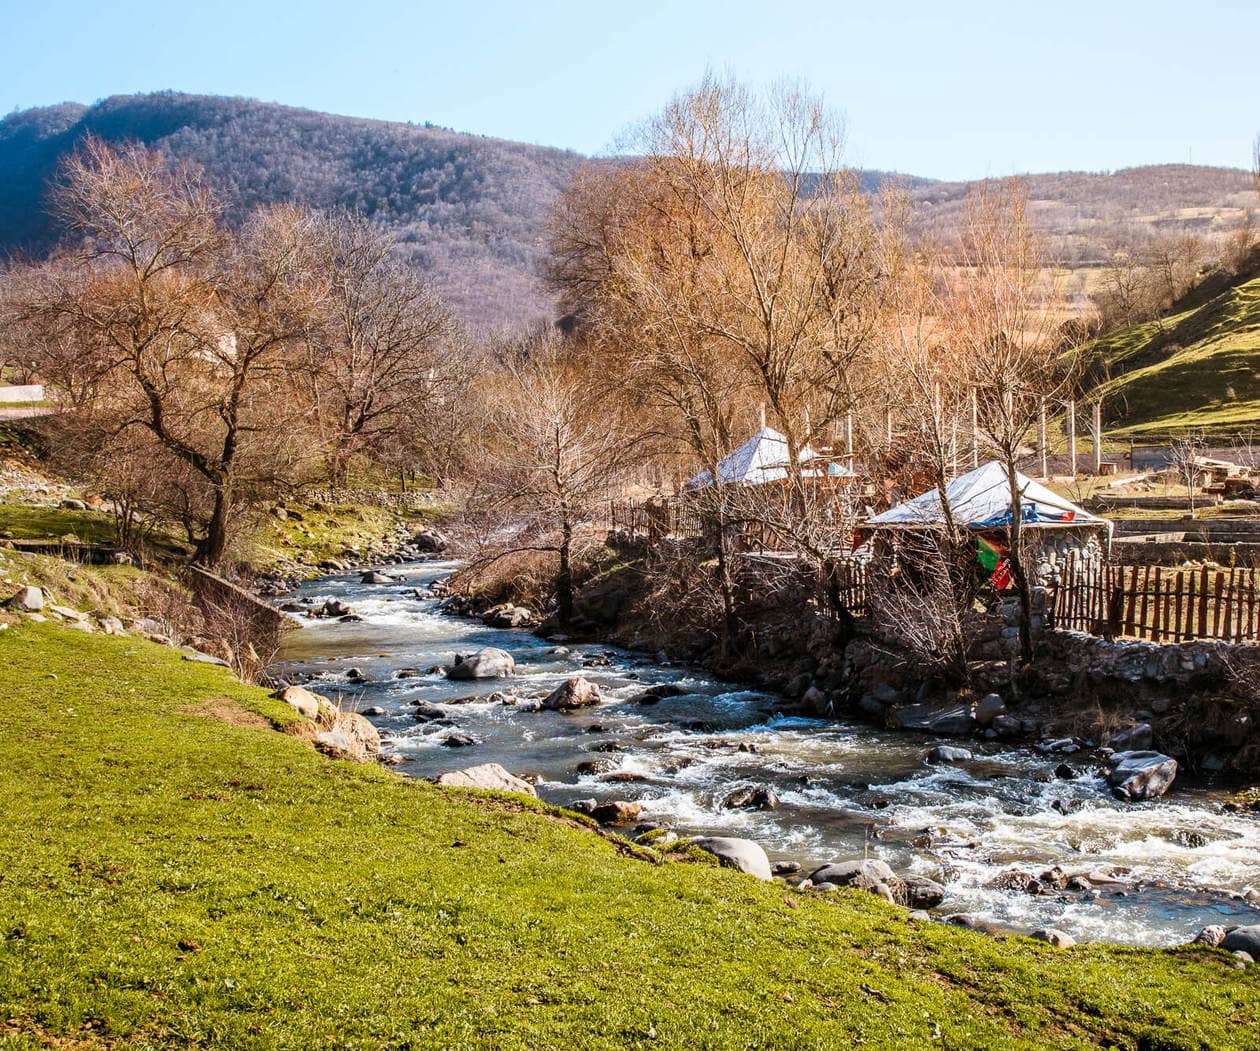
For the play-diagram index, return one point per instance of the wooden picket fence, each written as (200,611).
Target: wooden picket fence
(1158,603)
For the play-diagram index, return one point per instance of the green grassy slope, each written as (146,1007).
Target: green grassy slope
(1199,369)
(175,872)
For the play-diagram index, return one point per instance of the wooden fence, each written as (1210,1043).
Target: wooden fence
(1158,603)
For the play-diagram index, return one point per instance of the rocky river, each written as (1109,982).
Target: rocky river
(1152,873)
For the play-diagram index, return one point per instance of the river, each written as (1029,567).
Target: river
(846,790)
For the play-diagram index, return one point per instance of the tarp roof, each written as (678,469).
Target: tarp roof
(764,458)
(981,499)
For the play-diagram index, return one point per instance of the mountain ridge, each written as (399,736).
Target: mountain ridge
(470,210)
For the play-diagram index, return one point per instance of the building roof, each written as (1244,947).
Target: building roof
(981,499)
(764,458)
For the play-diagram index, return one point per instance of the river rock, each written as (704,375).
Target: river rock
(1055,937)
(1212,935)
(487,663)
(27,600)
(333,607)
(785,868)
(507,616)
(458,740)
(430,541)
(742,854)
(1243,939)
(759,798)
(374,577)
(919,892)
(843,873)
(989,707)
(656,694)
(375,711)
(573,694)
(1141,775)
(1133,739)
(488,777)
(944,753)
(948,720)
(591,767)
(1007,726)
(617,812)
(301,701)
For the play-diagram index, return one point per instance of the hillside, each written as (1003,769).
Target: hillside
(1196,369)
(470,210)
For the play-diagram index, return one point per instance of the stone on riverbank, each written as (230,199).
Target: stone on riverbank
(1055,937)
(487,663)
(918,892)
(1243,939)
(1141,775)
(488,777)
(844,873)
(742,854)
(301,701)
(27,600)
(572,694)
(617,812)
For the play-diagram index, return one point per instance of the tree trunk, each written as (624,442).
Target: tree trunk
(212,546)
(564,576)
(726,585)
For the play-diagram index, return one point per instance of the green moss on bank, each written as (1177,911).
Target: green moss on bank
(175,872)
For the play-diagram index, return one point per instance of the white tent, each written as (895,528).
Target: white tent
(981,499)
(764,458)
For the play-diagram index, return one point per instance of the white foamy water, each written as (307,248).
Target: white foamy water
(1160,871)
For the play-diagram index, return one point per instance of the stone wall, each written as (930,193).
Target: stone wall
(1177,552)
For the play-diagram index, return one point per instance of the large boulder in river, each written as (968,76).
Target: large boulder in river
(845,873)
(742,854)
(950,720)
(489,777)
(573,694)
(1141,775)
(375,577)
(754,798)
(487,663)
(1243,939)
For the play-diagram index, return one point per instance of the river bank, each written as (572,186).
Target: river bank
(987,827)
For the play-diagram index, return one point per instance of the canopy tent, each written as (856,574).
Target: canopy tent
(981,499)
(764,458)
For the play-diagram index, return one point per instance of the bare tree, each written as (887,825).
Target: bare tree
(173,326)
(554,438)
(1186,451)
(380,366)
(1004,322)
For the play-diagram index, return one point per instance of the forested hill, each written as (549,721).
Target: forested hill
(470,210)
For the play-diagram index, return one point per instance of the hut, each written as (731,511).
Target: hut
(1054,528)
(764,459)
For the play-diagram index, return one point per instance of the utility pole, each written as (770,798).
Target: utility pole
(975,428)
(1041,441)
(1097,436)
(1070,427)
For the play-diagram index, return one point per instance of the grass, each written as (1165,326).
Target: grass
(1197,370)
(173,872)
(33,522)
(325,533)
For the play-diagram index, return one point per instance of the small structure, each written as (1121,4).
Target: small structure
(764,458)
(1054,528)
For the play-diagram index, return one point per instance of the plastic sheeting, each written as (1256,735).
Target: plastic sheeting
(981,499)
(764,458)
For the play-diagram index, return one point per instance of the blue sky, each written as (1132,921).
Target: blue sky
(952,90)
